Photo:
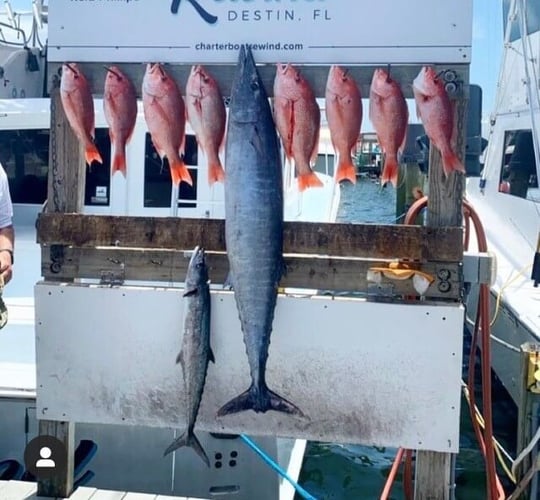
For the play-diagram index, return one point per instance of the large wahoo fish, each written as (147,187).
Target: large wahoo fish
(254,228)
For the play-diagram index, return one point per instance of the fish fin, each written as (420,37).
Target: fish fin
(390,170)
(451,163)
(215,172)
(180,359)
(188,439)
(119,163)
(179,173)
(211,356)
(189,293)
(92,154)
(346,171)
(308,180)
(259,400)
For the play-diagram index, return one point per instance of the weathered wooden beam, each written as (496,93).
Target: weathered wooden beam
(432,478)
(61,486)
(320,273)
(66,163)
(315,74)
(351,240)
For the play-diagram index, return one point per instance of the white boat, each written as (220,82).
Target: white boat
(125,457)
(507,195)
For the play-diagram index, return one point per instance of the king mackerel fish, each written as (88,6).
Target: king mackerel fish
(195,353)
(254,228)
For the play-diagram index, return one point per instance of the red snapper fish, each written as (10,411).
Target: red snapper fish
(120,107)
(344,116)
(298,119)
(79,108)
(389,114)
(165,116)
(206,114)
(435,111)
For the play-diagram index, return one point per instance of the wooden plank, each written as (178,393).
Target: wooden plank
(323,273)
(62,485)
(66,163)
(432,479)
(316,75)
(352,240)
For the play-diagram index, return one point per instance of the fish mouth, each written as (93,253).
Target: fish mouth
(113,71)
(198,256)
(72,68)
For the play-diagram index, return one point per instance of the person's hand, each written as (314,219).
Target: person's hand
(5,267)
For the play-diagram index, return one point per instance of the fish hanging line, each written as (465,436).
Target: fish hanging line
(301,491)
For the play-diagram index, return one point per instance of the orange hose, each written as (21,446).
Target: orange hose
(392,475)
(408,488)
(482,324)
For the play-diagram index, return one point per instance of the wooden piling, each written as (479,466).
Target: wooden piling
(65,194)
(433,469)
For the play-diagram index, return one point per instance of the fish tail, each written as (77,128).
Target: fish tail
(451,163)
(215,172)
(260,400)
(92,154)
(390,171)
(119,163)
(179,173)
(188,439)
(345,171)
(308,180)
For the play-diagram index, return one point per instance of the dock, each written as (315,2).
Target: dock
(16,490)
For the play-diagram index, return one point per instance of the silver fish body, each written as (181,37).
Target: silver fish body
(195,352)
(254,228)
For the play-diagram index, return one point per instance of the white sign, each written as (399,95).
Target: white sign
(296,31)
(363,372)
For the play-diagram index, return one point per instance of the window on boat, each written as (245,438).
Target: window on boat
(98,175)
(532,15)
(518,173)
(24,155)
(325,164)
(157,177)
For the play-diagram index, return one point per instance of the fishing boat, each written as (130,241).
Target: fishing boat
(111,456)
(507,195)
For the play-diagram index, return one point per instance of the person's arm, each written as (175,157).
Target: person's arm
(7,233)
(7,240)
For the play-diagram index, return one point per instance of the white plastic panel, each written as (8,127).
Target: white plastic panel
(363,372)
(296,31)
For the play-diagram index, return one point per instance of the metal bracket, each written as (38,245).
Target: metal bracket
(479,268)
(57,258)
(112,278)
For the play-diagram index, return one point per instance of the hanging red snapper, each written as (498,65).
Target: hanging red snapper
(206,114)
(120,107)
(298,119)
(79,108)
(165,116)
(435,111)
(389,114)
(344,116)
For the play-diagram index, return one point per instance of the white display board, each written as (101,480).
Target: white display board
(296,31)
(363,372)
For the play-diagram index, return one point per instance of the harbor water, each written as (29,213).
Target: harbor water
(350,471)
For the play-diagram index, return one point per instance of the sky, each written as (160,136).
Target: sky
(486,45)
